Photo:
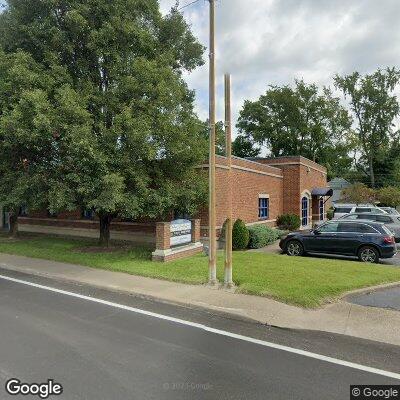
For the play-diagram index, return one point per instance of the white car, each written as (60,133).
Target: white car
(343,209)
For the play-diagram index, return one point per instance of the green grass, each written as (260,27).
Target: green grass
(306,282)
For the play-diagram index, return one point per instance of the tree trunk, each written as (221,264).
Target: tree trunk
(105,222)
(371,172)
(13,220)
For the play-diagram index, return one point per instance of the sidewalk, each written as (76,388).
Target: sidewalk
(341,317)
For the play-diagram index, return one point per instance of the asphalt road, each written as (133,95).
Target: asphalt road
(384,298)
(100,351)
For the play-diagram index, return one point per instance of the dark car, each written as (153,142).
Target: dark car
(392,221)
(369,241)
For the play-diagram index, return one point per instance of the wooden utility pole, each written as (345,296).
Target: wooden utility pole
(228,282)
(212,236)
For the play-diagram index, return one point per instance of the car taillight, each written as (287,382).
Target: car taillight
(389,239)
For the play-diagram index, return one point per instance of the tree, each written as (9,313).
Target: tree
(25,133)
(389,196)
(243,147)
(135,144)
(358,194)
(375,106)
(300,121)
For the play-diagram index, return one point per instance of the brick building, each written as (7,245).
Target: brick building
(262,189)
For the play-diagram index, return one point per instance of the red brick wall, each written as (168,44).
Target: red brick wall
(248,180)
(300,175)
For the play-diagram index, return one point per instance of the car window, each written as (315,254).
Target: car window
(387,230)
(342,210)
(379,211)
(349,227)
(329,228)
(367,229)
(367,216)
(363,210)
(384,218)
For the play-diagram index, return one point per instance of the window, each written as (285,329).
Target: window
(355,228)
(342,210)
(263,208)
(88,214)
(363,210)
(304,211)
(23,212)
(367,216)
(321,209)
(383,218)
(349,227)
(329,228)
(367,229)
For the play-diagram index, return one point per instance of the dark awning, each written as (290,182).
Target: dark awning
(322,192)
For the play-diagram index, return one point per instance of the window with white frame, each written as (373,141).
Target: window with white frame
(263,206)
(321,209)
(304,210)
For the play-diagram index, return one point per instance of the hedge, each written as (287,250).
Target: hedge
(288,222)
(262,235)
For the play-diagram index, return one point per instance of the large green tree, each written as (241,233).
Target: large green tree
(243,147)
(124,136)
(375,106)
(25,133)
(300,120)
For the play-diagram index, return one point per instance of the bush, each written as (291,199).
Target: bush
(330,213)
(240,235)
(288,222)
(262,235)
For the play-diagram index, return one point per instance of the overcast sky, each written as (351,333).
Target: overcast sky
(264,42)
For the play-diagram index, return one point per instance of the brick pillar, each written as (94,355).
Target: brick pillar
(195,230)
(163,235)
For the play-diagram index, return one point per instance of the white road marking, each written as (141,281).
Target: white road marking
(212,330)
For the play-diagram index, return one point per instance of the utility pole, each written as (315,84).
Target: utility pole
(228,282)
(212,236)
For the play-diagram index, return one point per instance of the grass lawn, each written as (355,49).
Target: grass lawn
(302,281)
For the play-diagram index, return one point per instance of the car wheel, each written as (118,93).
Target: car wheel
(294,248)
(368,254)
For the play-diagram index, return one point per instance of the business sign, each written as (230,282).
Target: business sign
(181,232)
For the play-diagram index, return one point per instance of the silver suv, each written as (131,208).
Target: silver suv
(342,209)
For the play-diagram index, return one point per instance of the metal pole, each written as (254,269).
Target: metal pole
(212,198)
(228,282)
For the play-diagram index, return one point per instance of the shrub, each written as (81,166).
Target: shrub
(289,222)
(330,213)
(262,235)
(240,235)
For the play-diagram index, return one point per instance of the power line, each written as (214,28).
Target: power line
(189,4)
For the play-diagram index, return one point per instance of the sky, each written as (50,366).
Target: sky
(272,42)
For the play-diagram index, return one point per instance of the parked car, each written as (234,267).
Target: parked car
(342,209)
(369,241)
(390,220)
(390,210)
